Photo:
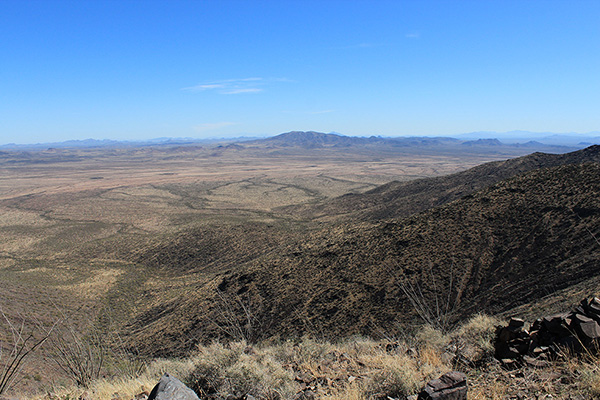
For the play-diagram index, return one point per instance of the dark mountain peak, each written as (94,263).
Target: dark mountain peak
(309,139)
(305,135)
(483,142)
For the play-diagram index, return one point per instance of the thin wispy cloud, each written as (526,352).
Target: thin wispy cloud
(322,112)
(243,90)
(413,35)
(229,86)
(235,86)
(211,126)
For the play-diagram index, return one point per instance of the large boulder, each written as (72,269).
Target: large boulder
(171,388)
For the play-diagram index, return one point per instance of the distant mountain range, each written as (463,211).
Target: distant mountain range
(563,139)
(95,143)
(316,140)
(312,139)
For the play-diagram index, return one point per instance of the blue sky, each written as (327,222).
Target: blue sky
(143,69)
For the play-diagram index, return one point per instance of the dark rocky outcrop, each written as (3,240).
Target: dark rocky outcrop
(548,337)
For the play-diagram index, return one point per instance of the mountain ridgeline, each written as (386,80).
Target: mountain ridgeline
(402,199)
(488,239)
(317,140)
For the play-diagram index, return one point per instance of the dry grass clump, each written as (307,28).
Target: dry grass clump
(118,388)
(588,370)
(238,369)
(395,376)
(124,387)
(591,380)
(473,342)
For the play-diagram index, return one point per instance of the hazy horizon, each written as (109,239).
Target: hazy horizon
(517,136)
(134,71)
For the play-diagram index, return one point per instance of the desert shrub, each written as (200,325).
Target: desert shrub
(473,342)
(84,355)
(24,339)
(437,308)
(311,350)
(348,393)
(430,337)
(397,378)
(284,352)
(239,318)
(358,346)
(124,364)
(172,366)
(263,378)
(220,371)
(399,373)
(81,357)
(210,362)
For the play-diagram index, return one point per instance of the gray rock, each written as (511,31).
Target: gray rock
(535,362)
(594,306)
(450,386)
(589,330)
(171,388)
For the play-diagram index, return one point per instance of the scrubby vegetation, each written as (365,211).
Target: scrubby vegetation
(352,369)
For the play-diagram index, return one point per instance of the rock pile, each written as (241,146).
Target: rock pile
(575,331)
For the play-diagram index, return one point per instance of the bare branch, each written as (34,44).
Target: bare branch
(21,346)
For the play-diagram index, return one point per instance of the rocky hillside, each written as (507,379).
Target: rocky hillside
(491,250)
(401,199)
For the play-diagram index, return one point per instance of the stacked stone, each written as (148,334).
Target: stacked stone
(576,331)
(513,342)
(586,322)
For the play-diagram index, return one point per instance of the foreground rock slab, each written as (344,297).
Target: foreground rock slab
(450,386)
(171,388)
